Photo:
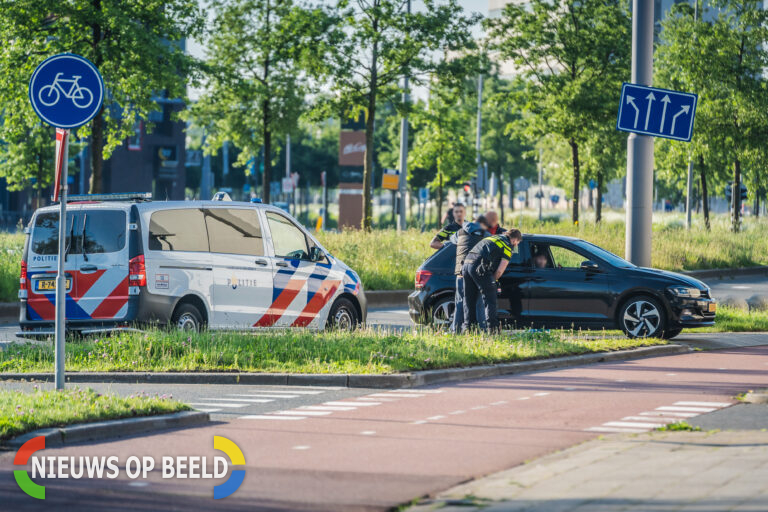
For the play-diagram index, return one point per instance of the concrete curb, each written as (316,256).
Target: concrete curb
(387,298)
(396,380)
(97,431)
(726,272)
(9,311)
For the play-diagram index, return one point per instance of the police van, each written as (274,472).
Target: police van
(189,264)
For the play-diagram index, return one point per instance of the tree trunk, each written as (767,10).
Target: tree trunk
(439,196)
(599,205)
(266,177)
(704,192)
(97,127)
(576,180)
(39,184)
(736,195)
(369,126)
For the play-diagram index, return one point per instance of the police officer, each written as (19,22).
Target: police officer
(459,212)
(466,238)
(483,266)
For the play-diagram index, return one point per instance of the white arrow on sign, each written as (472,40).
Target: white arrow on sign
(631,101)
(666,101)
(651,98)
(683,110)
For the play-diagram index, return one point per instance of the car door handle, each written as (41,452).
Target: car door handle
(281,264)
(261,262)
(537,279)
(89,268)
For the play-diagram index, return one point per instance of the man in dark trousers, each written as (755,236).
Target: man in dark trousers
(466,238)
(483,266)
(442,236)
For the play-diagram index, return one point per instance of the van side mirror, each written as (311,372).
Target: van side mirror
(316,254)
(589,266)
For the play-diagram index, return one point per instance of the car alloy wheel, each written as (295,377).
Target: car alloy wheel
(442,313)
(187,322)
(343,319)
(642,319)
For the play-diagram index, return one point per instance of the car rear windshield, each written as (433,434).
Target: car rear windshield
(89,231)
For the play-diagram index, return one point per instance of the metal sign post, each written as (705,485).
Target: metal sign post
(66,91)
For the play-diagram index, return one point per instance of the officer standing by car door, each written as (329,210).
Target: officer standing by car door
(466,239)
(459,212)
(483,266)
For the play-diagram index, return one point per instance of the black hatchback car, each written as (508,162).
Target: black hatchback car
(561,282)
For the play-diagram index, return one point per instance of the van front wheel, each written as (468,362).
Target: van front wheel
(187,318)
(343,315)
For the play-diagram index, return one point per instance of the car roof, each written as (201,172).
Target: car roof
(157,205)
(533,237)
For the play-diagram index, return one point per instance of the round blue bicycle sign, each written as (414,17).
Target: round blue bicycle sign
(66,90)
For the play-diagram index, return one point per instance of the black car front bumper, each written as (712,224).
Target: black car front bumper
(689,312)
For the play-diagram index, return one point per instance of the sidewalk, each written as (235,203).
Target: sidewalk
(659,471)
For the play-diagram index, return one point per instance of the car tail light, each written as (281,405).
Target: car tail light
(137,271)
(23,280)
(422,276)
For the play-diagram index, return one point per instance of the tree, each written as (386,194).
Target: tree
(573,55)
(260,57)
(383,42)
(441,142)
(135,45)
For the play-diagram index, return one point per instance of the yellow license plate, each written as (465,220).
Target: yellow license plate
(712,307)
(44,285)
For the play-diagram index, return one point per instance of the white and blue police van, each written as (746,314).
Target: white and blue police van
(190,264)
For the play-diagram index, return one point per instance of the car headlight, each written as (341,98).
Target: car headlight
(685,291)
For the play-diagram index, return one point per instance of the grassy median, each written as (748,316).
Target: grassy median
(362,352)
(22,412)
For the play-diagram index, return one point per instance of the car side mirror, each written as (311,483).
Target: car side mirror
(316,254)
(589,266)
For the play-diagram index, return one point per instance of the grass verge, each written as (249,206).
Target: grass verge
(24,412)
(362,352)
(737,320)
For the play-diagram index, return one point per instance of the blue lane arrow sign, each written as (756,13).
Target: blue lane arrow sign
(656,112)
(66,90)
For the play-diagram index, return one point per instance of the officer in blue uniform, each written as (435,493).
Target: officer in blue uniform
(483,266)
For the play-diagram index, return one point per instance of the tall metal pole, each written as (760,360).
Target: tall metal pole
(479,134)
(640,147)
(689,185)
(403,183)
(541,193)
(61,277)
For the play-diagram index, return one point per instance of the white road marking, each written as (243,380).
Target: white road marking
(326,408)
(671,374)
(217,405)
(457,412)
(500,402)
(416,391)
(645,418)
(741,287)
(352,404)
(540,394)
(676,414)
(208,410)
(685,409)
(434,418)
(378,399)
(264,395)
(616,430)
(621,380)
(398,395)
(632,424)
(524,398)
(297,391)
(478,407)
(418,422)
(301,447)
(368,432)
(250,400)
(303,413)
(268,417)
(705,404)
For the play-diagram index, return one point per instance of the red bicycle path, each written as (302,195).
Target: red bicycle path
(411,444)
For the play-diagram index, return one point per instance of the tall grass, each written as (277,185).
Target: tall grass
(11,246)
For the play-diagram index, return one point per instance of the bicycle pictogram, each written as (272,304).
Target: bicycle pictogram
(50,94)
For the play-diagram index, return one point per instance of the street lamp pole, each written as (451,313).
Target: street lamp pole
(541,193)
(402,185)
(640,147)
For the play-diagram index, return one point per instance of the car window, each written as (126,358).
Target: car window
(234,231)
(565,258)
(178,230)
(288,240)
(100,231)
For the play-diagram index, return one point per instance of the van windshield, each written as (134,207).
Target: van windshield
(92,231)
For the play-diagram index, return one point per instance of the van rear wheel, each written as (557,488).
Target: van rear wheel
(343,315)
(187,318)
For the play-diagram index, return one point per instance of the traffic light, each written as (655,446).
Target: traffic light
(467,187)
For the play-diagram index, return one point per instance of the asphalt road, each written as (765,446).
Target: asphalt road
(384,448)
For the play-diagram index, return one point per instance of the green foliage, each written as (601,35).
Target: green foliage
(11,246)
(24,412)
(303,351)
(118,37)
(573,56)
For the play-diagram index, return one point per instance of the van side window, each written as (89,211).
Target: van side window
(178,230)
(101,231)
(288,240)
(234,231)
